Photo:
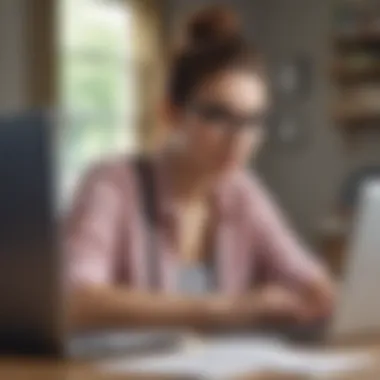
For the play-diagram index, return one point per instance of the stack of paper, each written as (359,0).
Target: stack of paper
(234,357)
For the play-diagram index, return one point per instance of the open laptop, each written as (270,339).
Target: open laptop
(358,306)
(32,319)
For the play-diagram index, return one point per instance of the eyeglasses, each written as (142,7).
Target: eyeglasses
(220,116)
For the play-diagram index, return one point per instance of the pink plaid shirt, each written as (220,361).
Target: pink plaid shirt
(106,236)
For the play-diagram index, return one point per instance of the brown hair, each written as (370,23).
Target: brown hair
(213,42)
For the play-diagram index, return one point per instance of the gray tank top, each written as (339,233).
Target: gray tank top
(196,279)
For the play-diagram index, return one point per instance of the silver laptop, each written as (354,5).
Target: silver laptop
(358,305)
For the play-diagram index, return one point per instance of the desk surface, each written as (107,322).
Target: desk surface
(30,369)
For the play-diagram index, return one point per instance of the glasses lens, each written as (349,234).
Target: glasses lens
(221,116)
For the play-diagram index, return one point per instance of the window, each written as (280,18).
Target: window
(97,89)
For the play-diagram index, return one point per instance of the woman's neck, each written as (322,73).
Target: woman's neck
(187,181)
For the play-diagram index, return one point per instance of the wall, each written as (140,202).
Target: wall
(12,55)
(306,179)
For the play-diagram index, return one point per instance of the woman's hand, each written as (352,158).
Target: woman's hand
(274,302)
(320,296)
(282,304)
(271,303)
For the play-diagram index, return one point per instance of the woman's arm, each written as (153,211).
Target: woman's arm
(288,262)
(94,306)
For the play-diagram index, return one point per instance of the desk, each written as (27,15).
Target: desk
(29,369)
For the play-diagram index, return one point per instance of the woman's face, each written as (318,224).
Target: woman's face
(223,124)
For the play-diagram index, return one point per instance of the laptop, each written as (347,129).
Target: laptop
(358,306)
(32,318)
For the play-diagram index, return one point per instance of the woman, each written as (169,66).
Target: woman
(219,249)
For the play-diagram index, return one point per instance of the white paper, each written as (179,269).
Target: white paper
(210,366)
(227,358)
(314,363)
(214,359)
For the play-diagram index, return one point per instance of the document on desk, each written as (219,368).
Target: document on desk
(229,358)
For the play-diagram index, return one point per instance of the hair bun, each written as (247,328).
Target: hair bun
(211,25)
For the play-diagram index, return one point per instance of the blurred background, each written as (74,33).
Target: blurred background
(101,63)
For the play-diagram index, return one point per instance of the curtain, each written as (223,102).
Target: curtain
(151,56)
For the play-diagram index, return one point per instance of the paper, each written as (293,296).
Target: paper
(215,359)
(223,359)
(314,363)
(198,365)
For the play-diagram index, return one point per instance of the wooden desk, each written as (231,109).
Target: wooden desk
(29,369)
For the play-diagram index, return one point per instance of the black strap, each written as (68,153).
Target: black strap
(147,186)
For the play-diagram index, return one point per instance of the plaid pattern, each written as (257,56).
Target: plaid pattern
(105,233)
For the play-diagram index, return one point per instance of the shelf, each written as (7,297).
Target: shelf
(357,116)
(347,74)
(359,39)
